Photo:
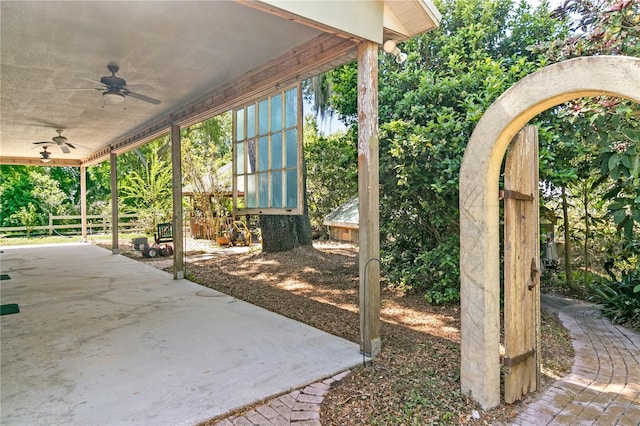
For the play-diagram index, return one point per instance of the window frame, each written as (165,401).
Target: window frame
(254,169)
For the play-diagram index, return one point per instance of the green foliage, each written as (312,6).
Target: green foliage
(620,299)
(599,27)
(27,217)
(206,149)
(147,189)
(24,188)
(332,170)
(98,187)
(589,147)
(15,192)
(620,160)
(429,107)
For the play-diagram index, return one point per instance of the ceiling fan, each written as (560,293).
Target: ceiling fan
(114,89)
(59,140)
(44,155)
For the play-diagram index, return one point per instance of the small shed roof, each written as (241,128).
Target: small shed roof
(346,215)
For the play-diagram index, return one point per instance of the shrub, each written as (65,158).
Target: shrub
(620,299)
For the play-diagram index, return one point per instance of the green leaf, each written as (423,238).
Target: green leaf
(626,161)
(632,134)
(614,160)
(628,228)
(619,216)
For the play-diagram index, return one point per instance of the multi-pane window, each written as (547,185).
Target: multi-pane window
(267,155)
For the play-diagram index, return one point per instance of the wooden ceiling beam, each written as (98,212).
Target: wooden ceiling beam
(29,161)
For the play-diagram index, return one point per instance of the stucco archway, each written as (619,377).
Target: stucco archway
(479,205)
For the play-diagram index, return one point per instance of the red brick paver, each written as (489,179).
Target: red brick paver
(298,408)
(603,387)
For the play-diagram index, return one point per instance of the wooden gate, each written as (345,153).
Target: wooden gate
(521,365)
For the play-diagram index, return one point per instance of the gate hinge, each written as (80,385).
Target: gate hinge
(518,359)
(515,195)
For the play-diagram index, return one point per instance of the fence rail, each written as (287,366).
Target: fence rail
(103,223)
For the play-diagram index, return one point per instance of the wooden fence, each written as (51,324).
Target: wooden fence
(95,222)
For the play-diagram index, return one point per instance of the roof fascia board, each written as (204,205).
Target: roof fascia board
(406,19)
(431,10)
(348,225)
(361,19)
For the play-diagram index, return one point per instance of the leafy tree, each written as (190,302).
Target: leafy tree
(606,128)
(27,217)
(48,194)
(25,188)
(429,106)
(332,170)
(98,187)
(147,189)
(15,192)
(206,150)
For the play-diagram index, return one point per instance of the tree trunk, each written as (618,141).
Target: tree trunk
(567,246)
(284,232)
(586,234)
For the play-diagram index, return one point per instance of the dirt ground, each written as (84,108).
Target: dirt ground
(414,381)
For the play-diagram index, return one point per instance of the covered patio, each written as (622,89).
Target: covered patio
(185,62)
(109,340)
(63,66)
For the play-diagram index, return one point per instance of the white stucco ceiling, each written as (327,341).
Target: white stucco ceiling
(181,49)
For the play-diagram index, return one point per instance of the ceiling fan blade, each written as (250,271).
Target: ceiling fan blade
(94,81)
(143,98)
(64,148)
(42,146)
(138,87)
(75,146)
(42,143)
(82,88)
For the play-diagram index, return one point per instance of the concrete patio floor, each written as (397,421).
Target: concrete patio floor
(103,339)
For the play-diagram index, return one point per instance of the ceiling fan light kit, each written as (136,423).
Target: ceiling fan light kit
(44,155)
(115,90)
(112,98)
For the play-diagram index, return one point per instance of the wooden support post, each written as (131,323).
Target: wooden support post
(176,188)
(83,202)
(113,158)
(368,193)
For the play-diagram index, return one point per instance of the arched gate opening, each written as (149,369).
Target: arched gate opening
(617,76)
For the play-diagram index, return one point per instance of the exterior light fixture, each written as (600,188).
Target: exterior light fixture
(391,48)
(44,155)
(111,97)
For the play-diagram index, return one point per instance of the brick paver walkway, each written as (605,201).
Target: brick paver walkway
(603,387)
(298,408)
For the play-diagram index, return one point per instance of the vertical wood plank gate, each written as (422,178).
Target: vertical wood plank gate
(521,267)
